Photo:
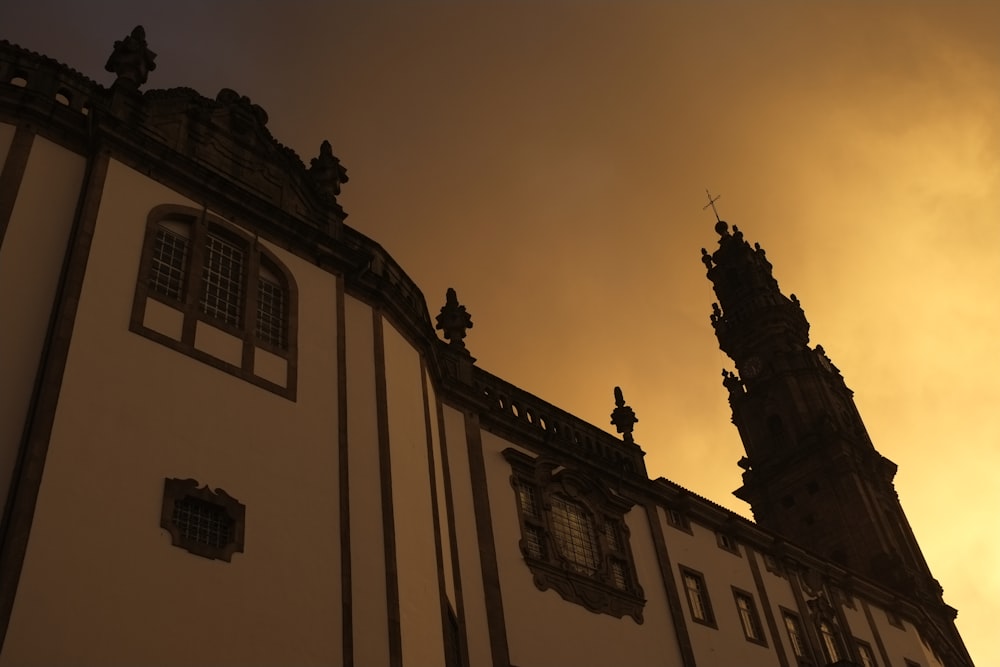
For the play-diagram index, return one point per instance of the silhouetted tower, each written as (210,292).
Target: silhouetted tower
(811,472)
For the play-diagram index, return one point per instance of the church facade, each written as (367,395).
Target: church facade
(231,434)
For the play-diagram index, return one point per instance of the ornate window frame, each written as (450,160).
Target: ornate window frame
(574,538)
(216,274)
(178,493)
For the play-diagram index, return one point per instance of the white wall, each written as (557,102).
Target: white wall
(416,564)
(31,258)
(101,582)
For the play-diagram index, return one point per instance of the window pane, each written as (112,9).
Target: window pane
(529,501)
(611,535)
(795,636)
(166,271)
(692,584)
(534,542)
(222,281)
(270,312)
(618,576)
(574,535)
(829,641)
(747,618)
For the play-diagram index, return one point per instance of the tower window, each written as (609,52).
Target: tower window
(574,538)
(699,604)
(749,619)
(212,274)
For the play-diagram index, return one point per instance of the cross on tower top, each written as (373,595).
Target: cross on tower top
(711,202)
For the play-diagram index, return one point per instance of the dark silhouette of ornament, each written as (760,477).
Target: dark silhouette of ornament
(131,60)
(454,321)
(623,417)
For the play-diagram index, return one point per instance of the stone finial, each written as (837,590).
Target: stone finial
(454,321)
(131,60)
(706,259)
(623,417)
(327,171)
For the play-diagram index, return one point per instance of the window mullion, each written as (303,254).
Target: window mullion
(251,278)
(194,278)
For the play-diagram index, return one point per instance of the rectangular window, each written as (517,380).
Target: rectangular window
(534,534)
(727,542)
(795,638)
(829,640)
(697,596)
(749,619)
(865,653)
(679,520)
(222,281)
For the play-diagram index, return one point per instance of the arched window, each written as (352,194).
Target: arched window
(211,290)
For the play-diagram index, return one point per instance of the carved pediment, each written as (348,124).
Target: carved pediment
(229,136)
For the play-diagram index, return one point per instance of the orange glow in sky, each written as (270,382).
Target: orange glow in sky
(550,163)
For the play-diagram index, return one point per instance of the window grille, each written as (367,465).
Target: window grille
(222,281)
(270,312)
(574,535)
(169,261)
(529,501)
(203,522)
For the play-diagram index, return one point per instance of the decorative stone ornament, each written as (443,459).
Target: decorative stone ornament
(454,321)
(131,60)
(327,171)
(623,417)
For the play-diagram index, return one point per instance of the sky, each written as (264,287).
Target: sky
(549,161)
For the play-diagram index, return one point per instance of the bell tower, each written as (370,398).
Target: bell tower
(810,472)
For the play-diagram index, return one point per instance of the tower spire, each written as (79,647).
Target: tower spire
(811,472)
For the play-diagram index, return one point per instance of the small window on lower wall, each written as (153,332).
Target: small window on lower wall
(574,538)
(205,522)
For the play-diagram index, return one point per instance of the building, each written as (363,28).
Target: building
(232,436)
